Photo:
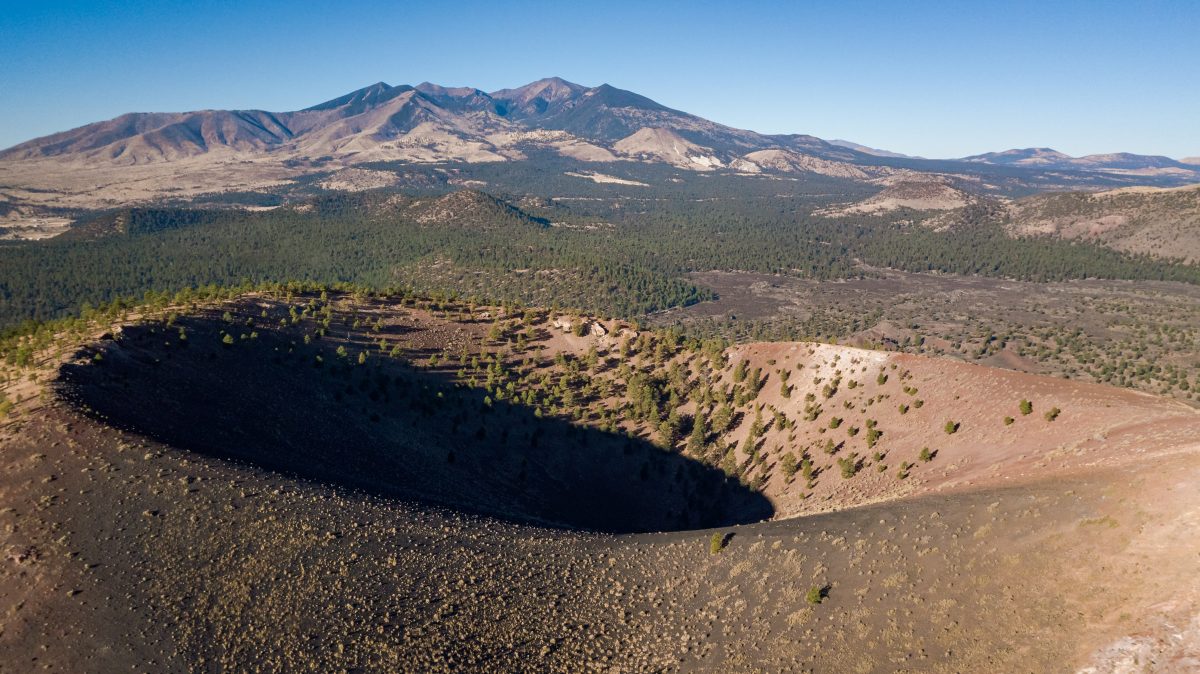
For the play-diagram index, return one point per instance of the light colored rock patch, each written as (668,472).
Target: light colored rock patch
(358,180)
(604,178)
(667,146)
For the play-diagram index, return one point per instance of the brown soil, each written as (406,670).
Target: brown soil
(168,510)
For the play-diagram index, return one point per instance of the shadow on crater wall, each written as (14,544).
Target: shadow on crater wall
(392,430)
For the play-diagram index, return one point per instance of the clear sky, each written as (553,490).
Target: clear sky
(939,79)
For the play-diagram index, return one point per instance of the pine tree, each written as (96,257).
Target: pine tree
(699,434)
(788,465)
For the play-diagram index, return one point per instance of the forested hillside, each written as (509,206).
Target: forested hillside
(610,256)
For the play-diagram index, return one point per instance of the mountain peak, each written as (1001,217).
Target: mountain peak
(438,90)
(365,97)
(1048,152)
(555,83)
(1028,156)
(550,90)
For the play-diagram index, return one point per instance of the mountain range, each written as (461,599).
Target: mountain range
(141,157)
(429,123)
(432,123)
(1044,157)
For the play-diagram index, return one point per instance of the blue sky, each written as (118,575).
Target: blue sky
(938,79)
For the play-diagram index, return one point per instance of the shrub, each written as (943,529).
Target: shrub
(1053,413)
(1008,421)
(918,403)
(925,456)
(951,427)
(881,379)
(831,389)
(848,466)
(873,436)
(903,409)
(835,422)
(815,595)
(716,543)
(1026,407)
(806,469)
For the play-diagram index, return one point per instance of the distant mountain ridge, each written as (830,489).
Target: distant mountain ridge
(460,123)
(431,124)
(1047,158)
(871,150)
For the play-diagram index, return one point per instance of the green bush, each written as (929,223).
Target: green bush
(873,436)
(848,466)
(1026,407)
(951,427)
(1053,413)
(789,465)
(815,595)
(716,543)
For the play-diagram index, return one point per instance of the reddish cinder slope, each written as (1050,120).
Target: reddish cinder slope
(1096,425)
